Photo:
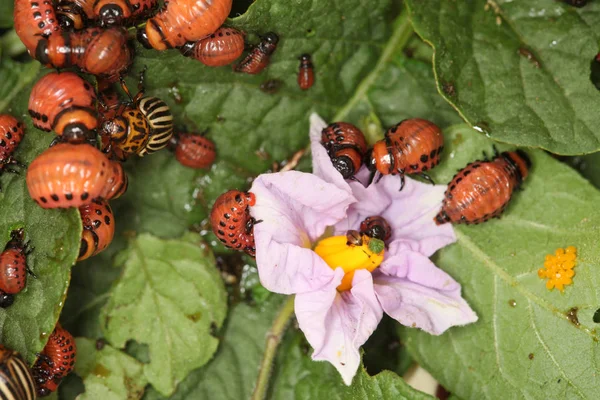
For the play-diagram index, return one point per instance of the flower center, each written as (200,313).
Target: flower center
(366,253)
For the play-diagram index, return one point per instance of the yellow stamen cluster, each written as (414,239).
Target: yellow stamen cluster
(337,252)
(558,268)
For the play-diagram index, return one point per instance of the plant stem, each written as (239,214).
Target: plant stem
(402,32)
(274,337)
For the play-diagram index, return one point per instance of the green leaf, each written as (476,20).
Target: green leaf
(243,345)
(163,197)
(517,70)
(6,14)
(233,371)
(251,129)
(14,97)
(11,45)
(523,345)
(169,297)
(55,234)
(588,166)
(297,377)
(70,387)
(400,88)
(241,118)
(108,374)
(89,290)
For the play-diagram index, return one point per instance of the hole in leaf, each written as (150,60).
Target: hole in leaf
(71,387)
(271,86)
(239,7)
(383,350)
(442,393)
(139,351)
(449,89)
(572,316)
(595,71)
(596,317)
(100,343)
(576,3)
(528,54)
(483,127)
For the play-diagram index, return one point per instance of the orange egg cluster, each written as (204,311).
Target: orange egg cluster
(558,268)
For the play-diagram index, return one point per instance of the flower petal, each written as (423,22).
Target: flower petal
(337,324)
(415,267)
(294,209)
(409,212)
(432,309)
(321,163)
(371,201)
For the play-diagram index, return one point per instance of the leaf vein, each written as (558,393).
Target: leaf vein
(497,270)
(496,343)
(549,353)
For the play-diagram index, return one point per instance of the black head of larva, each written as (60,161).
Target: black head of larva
(65,22)
(110,14)
(271,37)
(238,199)
(41,51)
(369,161)
(525,157)
(17,234)
(187,49)
(344,166)
(16,239)
(142,37)
(377,232)
(76,133)
(6,300)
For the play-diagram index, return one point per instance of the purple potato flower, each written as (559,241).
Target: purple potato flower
(299,210)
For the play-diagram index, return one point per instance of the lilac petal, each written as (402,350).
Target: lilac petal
(410,212)
(370,201)
(418,306)
(337,324)
(321,163)
(415,267)
(294,209)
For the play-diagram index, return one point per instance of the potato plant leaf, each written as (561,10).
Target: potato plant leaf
(55,234)
(381,85)
(297,377)
(588,166)
(252,129)
(169,297)
(89,290)
(232,373)
(108,373)
(6,14)
(518,71)
(529,342)
(165,198)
